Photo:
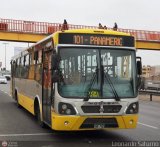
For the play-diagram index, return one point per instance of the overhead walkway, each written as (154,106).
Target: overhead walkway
(31,31)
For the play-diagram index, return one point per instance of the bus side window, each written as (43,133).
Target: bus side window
(13,68)
(18,68)
(22,66)
(26,66)
(31,65)
(40,56)
(35,57)
(38,66)
(31,61)
(27,59)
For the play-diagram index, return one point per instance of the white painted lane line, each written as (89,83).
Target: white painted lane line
(5,92)
(148,125)
(36,134)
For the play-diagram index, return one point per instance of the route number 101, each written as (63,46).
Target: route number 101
(78,39)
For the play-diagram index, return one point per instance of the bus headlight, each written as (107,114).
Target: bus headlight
(64,106)
(66,109)
(133,108)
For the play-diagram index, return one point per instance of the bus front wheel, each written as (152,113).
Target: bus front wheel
(16,98)
(38,117)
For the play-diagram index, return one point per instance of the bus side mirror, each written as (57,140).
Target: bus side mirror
(139,66)
(139,72)
(55,62)
(55,76)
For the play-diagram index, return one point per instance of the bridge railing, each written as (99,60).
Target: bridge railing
(22,26)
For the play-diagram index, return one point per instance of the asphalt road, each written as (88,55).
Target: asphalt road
(19,128)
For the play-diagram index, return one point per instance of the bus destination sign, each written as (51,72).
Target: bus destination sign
(96,39)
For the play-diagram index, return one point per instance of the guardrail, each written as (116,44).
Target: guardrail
(150,92)
(10,25)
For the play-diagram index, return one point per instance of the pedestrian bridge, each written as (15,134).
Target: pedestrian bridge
(31,31)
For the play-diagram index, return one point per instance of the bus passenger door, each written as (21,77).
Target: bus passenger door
(46,87)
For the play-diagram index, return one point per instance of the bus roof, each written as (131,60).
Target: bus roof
(96,31)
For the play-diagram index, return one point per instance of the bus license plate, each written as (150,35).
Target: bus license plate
(99,126)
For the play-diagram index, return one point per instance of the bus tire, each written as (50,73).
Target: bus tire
(38,117)
(16,98)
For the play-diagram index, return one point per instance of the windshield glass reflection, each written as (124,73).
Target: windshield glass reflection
(82,76)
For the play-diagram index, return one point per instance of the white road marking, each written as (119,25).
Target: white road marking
(15,135)
(148,125)
(5,92)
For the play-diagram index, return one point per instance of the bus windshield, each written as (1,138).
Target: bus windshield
(97,72)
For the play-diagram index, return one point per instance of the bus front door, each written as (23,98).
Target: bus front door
(46,88)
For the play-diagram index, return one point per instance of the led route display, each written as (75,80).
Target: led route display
(96,39)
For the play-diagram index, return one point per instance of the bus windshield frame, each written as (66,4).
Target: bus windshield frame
(90,71)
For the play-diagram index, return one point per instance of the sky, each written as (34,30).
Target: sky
(129,14)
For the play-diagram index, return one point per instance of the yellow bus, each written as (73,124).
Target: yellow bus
(82,79)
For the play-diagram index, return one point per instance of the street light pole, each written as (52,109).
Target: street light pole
(5,54)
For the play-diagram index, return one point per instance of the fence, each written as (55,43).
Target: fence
(11,25)
(150,92)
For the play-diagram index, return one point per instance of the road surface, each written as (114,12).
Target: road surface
(19,128)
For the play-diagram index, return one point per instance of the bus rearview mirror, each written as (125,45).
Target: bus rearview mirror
(139,66)
(55,76)
(55,62)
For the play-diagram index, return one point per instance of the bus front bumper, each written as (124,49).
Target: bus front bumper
(75,123)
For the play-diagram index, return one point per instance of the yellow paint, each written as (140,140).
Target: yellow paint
(127,119)
(87,31)
(97,31)
(147,45)
(21,37)
(26,37)
(55,38)
(26,102)
(139,44)
(76,121)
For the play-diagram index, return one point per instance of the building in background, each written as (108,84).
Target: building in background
(151,72)
(146,71)
(155,73)
(150,79)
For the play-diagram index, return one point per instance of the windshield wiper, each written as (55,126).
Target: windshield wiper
(93,79)
(111,85)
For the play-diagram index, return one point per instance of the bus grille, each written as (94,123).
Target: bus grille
(107,123)
(107,109)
